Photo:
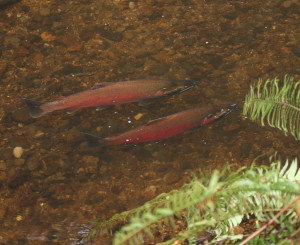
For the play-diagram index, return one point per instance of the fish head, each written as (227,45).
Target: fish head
(176,87)
(220,111)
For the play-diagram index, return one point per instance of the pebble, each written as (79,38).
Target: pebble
(90,160)
(131,5)
(110,34)
(19,162)
(296,49)
(150,191)
(21,115)
(208,92)
(103,169)
(39,134)
(141,52)
(2,212)
(18,151)
(159,69)
(45,12)
(138,116)
(2,129)
(287,4)
(3,67)
(70,69)
(2,166)
(171,178)
(73,136)
(33,163)
(47,37)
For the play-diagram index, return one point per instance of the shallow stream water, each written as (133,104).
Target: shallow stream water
(50,49)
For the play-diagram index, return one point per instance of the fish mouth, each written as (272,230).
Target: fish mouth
(189,84)
(181,88)
(194,82)
(225,112)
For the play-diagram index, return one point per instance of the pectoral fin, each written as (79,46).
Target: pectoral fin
(100,108)
(149,101)
(72,110)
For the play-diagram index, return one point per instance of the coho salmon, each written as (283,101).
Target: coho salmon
(165,127)
(105,95)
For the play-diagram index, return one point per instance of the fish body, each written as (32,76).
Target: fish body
(166,127)
(109,94)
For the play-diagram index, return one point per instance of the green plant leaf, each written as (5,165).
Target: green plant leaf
(275,104)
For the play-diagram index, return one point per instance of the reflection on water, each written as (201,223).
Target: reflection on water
(56,48)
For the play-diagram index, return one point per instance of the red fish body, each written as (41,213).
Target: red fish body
(109,94)
(166,127)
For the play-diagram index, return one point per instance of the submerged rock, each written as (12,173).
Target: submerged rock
(33,164)
(18,151)
(21,115)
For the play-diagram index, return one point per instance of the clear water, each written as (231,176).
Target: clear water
(55,48)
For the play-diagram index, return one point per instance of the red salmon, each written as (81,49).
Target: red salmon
(165,127)
(108,94)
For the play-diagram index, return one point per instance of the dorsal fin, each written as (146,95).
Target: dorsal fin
(100,85)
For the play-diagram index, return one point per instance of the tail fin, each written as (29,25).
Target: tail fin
(34,108)
(94,141)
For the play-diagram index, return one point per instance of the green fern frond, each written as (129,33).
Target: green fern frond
(277,105)
(215,204)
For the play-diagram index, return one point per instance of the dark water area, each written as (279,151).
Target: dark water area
(50,49)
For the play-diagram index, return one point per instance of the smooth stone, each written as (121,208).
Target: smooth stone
(18,152)
(131,5)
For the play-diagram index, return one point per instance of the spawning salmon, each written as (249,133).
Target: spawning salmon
(165,127)
(105,95)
